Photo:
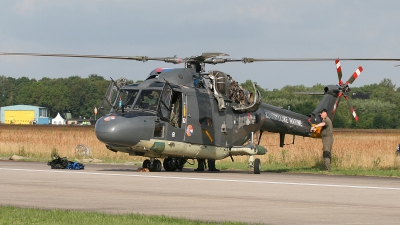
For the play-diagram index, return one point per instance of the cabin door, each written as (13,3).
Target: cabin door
(170,109)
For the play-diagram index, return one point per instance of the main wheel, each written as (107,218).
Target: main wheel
(166,164)
(169,164)
(180,163)
(257,166)
(146,163)
(156,166)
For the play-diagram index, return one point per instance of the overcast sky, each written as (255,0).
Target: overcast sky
(260,29)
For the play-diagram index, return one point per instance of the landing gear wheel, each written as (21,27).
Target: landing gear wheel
(156,166)
(257,166)
(169,164)
(146,163)
(180,163)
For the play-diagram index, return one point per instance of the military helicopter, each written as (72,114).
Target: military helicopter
(178,114)
(188,113)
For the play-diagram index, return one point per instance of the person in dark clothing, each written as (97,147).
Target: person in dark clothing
(202,165)
(327,137)
(211,165)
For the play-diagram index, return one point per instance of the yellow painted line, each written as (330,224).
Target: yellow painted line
(208,135)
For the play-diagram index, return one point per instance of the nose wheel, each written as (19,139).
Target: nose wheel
(154,165)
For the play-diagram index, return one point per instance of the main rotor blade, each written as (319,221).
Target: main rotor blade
(250,60)
(137,58)
(310,93)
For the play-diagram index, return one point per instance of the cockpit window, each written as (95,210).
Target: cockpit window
(128,97)
(148,99)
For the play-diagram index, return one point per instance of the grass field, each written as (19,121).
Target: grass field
(24,216)
(352,149)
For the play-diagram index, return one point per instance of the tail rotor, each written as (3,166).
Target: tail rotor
(344,88)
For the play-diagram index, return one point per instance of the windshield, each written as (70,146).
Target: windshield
(110,100)
(148,99)
(128,97)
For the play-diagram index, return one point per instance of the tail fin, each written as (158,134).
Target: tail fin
(329,102)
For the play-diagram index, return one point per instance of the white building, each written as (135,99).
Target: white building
(58,120)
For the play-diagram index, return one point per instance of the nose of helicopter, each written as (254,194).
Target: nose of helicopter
(122,131)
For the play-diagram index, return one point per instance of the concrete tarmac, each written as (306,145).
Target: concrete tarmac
(267,198)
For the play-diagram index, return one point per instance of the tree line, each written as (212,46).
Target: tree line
(377,105)
(75,95)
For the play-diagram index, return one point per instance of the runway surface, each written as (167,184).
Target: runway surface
(268,198)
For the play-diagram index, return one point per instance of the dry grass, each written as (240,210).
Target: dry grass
(39,141)
(351,149)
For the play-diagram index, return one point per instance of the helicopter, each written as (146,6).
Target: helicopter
(179,114)
(188,113)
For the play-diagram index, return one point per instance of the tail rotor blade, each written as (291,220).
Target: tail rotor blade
(355,75)
(352,111)
(336,103)
(339,71)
